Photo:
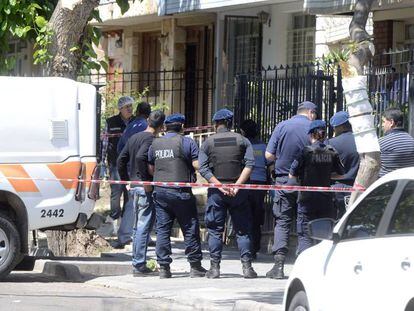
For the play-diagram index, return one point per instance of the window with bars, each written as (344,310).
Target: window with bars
(243,43)
(301,39)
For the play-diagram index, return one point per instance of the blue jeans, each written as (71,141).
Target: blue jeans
(144,221)
(126,226)
(116,192)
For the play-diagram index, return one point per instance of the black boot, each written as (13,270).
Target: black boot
(214,272)
(248,272)
(165,272)
(197,270)
(277,271)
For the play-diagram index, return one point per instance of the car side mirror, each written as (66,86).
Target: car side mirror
(321,229)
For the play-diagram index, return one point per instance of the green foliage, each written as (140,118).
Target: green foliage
(25,20)
(28,20)
(331,60)
(152,264)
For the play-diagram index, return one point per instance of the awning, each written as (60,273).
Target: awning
(344,6)
(328,6)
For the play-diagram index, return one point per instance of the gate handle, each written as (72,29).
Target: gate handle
(358,268)
(405,264)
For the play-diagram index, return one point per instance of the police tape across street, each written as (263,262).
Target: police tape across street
(198,185)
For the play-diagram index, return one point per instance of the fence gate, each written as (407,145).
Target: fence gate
(272,95)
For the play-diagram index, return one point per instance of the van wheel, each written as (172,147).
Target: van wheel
(9,246)
(299,302)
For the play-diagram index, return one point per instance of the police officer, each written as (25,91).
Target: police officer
(344,144)
(115,126)
(259,176)
(227,157)
(285,145)
(315,166)
(174,158)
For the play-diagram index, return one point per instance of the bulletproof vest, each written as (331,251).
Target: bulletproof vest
(170,162)
(318,166)
(259,172)
(115,126)
(226,154)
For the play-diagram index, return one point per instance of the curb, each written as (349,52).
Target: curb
(78,270)
(249,305)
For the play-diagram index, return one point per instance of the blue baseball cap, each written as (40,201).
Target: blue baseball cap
(316,125)
(307,105)
(175,118)
(223,114)
(339,118)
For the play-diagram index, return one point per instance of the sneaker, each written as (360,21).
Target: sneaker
(142,271)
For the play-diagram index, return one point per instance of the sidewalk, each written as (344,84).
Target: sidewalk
(230,292)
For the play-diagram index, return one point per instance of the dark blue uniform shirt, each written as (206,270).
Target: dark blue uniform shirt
(287,142)
(259,172)
(344,144)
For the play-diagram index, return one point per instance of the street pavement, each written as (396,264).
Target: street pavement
(231,292)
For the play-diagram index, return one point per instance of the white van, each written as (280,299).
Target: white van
(48,132)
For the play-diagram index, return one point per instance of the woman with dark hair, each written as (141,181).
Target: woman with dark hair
(259,175)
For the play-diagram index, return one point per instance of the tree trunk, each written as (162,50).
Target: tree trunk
(370,160)
(68,23)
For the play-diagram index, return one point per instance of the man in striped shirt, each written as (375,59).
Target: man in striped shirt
(397,146)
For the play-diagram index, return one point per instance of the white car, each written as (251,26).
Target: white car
(365,261)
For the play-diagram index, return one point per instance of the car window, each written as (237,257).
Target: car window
(402,222)
(364,220)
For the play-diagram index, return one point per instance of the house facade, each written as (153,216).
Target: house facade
(189,52)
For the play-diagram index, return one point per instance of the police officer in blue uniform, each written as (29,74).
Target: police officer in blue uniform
(174,158)
(285,145)
(315,166)
(259,176)
(344,143)
(227,157)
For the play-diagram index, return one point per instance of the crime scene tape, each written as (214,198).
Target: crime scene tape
(198,185)
(189,129)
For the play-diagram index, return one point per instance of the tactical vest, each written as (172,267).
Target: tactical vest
(318,166)
(226,154)
(170,162)
(115,126)
(259,172)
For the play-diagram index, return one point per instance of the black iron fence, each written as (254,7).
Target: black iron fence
(272,95)
(389,83)
(187,91)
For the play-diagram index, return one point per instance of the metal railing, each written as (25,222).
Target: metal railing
(273,94)
(389,83)
(184,91)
